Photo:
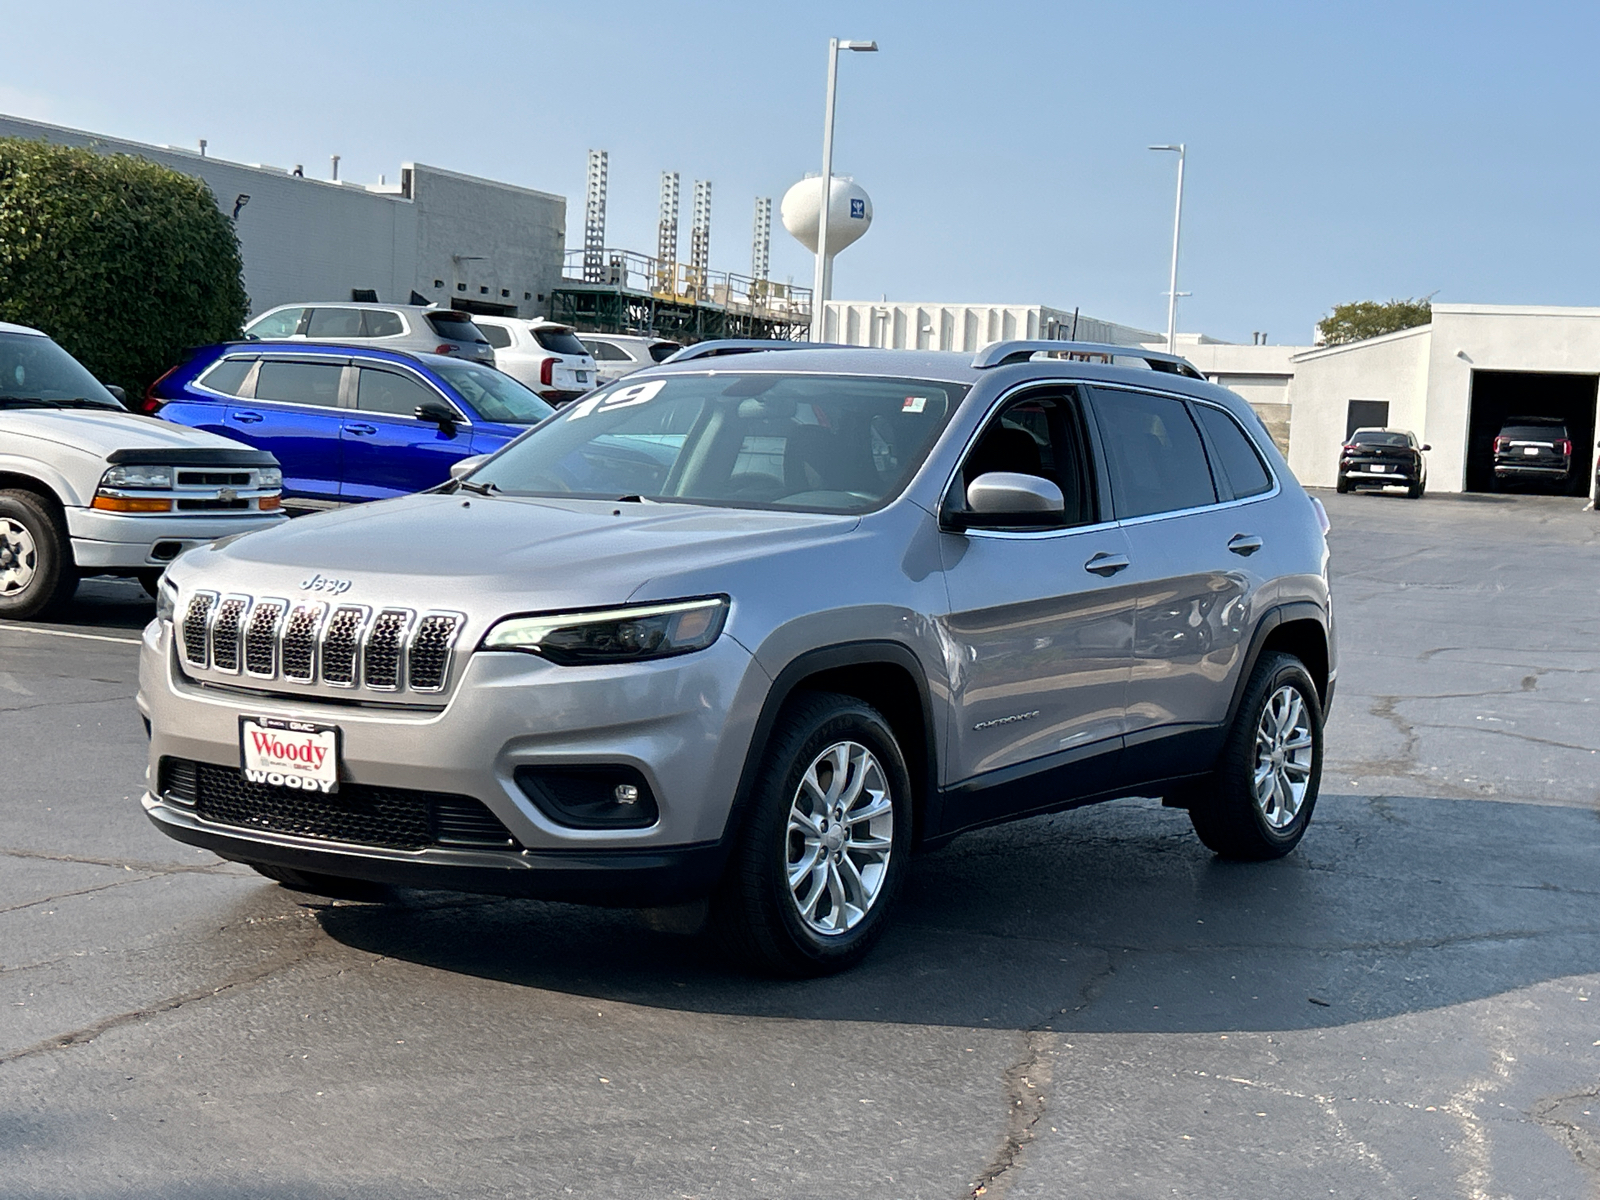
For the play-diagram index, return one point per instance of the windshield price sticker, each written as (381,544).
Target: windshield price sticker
(291,754)
(914,404)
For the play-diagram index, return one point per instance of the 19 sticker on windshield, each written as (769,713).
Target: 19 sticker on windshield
(291,754)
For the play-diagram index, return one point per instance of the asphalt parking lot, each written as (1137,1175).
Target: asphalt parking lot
(1080,1005)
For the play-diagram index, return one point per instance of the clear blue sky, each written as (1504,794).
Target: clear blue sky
(1336,151)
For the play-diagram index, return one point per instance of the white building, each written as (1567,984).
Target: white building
(898,325)
(451,239)
(1452,382)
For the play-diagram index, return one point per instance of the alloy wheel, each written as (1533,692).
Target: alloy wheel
(839,838)
(19,557)
(1284,756)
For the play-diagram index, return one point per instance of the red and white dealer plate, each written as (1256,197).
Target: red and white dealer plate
(293,754)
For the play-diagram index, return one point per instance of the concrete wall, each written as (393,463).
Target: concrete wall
(1393,368)
(313,239)
(910,326)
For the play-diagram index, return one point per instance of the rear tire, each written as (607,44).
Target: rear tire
(1260,800)
(1416,490)
(1342,486)
(335,887)
(825,843)
(36,568)
(150,581)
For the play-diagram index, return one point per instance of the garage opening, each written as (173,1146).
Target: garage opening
(1365,414)
(1500,396)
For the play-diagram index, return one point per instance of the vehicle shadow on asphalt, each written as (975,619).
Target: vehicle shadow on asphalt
(104,605)
(1107,919)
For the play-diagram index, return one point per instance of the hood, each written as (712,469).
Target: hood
(97,433)
(472,553)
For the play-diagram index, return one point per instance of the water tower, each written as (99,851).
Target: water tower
(849,216)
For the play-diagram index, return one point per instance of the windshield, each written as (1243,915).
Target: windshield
(1376,437)
(34,368)
(494,395)
(828,443)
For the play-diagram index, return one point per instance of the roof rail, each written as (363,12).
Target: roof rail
(1002,354)
(720,346)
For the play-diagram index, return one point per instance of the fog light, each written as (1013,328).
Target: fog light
(626,793)
(590,797)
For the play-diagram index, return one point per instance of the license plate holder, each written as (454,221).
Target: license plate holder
(281,752)
(1531,451)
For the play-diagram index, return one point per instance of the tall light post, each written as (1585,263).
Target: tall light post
(822,280)
(1177,226)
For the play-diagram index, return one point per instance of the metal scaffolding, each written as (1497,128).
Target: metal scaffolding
(761,239)
(700,239)
(667,231)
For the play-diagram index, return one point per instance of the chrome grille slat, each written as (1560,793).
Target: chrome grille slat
(383,657)
(341,645)
(197,629)
(261,638)
(225,628)
(297,650)
(428,664)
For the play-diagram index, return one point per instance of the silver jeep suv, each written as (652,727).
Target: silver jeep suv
(755,627)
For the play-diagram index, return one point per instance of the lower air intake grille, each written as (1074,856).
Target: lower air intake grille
(392,818)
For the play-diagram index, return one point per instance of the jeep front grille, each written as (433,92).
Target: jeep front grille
(310,642)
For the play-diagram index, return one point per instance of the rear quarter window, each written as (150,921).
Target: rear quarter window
(227,376)
(380,323)
(1238,464)
(496,335)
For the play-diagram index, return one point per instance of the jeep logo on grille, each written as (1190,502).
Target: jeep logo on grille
(321,583)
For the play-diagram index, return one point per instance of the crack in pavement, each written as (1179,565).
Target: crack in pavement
(100,887)
(218,867)
(1027,1084)
(1582,1143)
(18,708)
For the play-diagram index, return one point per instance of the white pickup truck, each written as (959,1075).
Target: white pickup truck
(88,488)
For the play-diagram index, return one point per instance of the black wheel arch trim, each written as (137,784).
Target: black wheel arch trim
(1282,614)
(830,658)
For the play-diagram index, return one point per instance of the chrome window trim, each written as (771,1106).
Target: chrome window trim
(199,384)
(404,372)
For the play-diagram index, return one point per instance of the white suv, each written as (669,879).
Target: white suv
(88,488)
(541,355)
(619,354)
(414,328)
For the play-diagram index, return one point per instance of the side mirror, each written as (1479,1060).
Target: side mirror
(1004,498)
(1425,446)
(121,396)
(463,467)
(440,414)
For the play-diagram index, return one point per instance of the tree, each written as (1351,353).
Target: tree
(125,262)
(1368,319)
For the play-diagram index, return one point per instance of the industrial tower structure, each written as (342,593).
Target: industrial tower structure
(594,219)
(700,240)
(667,234)
(761,240)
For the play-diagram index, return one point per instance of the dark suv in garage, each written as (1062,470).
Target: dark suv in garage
(1532,450)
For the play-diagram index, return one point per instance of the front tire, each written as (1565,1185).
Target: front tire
(825,843)
(1259,802)
(36,568)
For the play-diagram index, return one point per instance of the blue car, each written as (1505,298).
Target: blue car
(347,423)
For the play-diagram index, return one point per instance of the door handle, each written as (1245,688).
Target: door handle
(1244,543)
(1106,565)
(246,418)
(361,429)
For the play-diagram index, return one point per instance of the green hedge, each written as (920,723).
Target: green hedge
(125,262)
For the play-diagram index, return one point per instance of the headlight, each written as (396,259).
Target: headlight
(166,600)
(269,477)
(137,476)
(632,634)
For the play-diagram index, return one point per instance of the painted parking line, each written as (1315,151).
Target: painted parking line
(67,633)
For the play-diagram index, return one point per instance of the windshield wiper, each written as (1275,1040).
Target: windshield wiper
(482,489)
(38,401)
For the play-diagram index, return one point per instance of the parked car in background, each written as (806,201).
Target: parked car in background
(619,354)
(415,328)
(1532,450)
(753,628)
(348,422)
(1383,458)
(88,488)
(543,355)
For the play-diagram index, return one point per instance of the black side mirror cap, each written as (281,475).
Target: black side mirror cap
(440,414)
(121,396)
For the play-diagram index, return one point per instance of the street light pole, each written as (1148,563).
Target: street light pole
(1177,227)
(822,279)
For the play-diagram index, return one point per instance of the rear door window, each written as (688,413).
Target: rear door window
(380,322)
(1154,454)
(606,352)
(280,324)
(664,350)
(334,323)
(380,391)
(315,384)
(497,336)
(559,341)
(1237,462)
(227,376)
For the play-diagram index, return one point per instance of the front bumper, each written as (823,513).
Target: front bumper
(684,723)
(103,541)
